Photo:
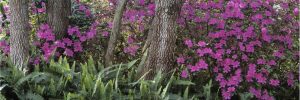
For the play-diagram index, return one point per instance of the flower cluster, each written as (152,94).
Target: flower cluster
(4,47)
(238,37)
(67,46)
(38,6)
(132,47)
(136,16)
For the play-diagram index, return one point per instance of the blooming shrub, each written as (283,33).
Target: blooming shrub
(244,46)
(67,46)
(242,42)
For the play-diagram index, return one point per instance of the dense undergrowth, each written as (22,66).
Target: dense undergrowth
(87,81)
(225,49)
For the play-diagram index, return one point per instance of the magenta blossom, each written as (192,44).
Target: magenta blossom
(184,74)
(180,60)
(188,43)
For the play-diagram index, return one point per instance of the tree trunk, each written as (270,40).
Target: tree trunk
(58,12)
(162,38)
(19,33)
(115,32)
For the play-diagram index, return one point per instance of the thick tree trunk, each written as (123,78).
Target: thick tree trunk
(58,12)
(162,37)
(19,33)
(115,32)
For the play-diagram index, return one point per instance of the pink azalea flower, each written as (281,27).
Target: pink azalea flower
(69,52)
(188,43)
(223,83)
(202,64)
(130,40)
(255,92)
(296,11)
(278,54)
(245,57)
(60,44)
(271,63)
(231,89)
(251,72)
(261,61)
(216,69)
(235,64)
(184,74)
(180,60)
(132,49)
(82,8)
(226,69)
(36,61)
(41,10)
(290,79)
(274,82)
(82,38)
(105,34)
(226,95)
(234,56)
(266,96)
(249,48)
(91,33)
(194,68)
(67,41)
(141,2)
(260,78)
(77,47)
(219,77)
(87,12)
(201,43)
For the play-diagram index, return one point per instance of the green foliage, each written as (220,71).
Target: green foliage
(246,96)
(207,90)
(61,79)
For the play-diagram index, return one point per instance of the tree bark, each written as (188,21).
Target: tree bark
(162,38)
(58,12)
(117,22)
(19,33)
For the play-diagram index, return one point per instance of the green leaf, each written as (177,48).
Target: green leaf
(91,65)
(139,80)
(2,97)
(32,96)
(157,80)
(130,64)
(117,78)
(3,86)
(165,90)
(246,96)
(141,64)
(186,94)
(109,90)
(144,90)
(31,76)
(207,90)
(183,82)
(72,96)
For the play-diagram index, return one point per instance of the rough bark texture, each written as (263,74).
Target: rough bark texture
(58,12)
(115,32)
(19,33)
(162,37)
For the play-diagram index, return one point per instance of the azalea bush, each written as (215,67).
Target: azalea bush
(235,49)
(245,46)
